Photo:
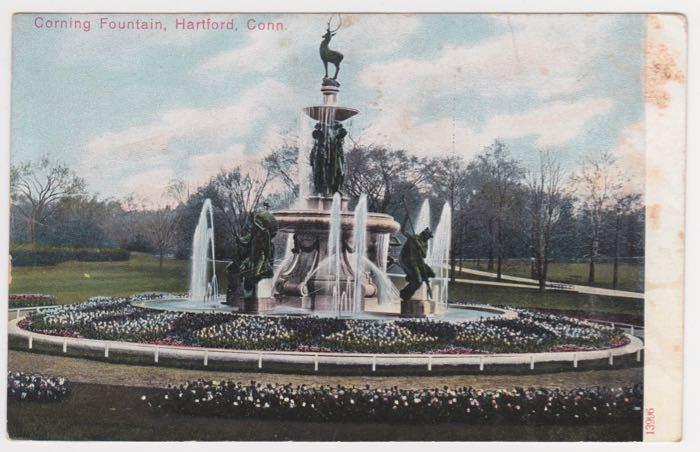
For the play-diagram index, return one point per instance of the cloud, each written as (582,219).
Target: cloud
(150,187)
(630,157)
(552,124)
(547,56)
(225,122)
(119,49)
(205,166)
(267,52)
(545,59)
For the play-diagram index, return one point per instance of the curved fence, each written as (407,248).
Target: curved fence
(317,360)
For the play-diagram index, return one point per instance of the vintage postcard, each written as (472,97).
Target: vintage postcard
(346,227)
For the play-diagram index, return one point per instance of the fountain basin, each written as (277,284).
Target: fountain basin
(324,112)
(318,220)
(455,313)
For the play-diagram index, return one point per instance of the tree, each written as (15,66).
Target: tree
(545,192)
(598,183)
(235,195)
(626,205)
(497,178)
(238,194)
(80,221)
(386,176)
(160,229)
(281,163)
(449,180)
(37,187)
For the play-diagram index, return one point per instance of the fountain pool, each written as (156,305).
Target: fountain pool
(455,313)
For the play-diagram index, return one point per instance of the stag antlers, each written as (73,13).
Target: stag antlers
(340,22)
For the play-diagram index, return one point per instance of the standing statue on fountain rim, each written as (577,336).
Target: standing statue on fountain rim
(412,261)
(259,251)
(330,56)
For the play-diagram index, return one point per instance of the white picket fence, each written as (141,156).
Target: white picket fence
(317,360)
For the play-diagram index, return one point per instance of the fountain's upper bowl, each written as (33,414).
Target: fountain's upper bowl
(301,220)
(330,112)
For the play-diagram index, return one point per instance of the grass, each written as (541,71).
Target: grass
(630,274)
(73,282)
(530,298)
(103,412)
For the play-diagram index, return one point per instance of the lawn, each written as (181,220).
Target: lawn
(560,300)
(630,274)
(102,412)
(72,282)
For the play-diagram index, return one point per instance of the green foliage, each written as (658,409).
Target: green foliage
(28,255)
(73,282)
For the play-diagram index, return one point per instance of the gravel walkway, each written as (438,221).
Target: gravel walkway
(88,371)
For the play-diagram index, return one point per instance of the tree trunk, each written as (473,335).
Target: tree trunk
(32,228)
(489,265)
(499,251)
(160,260)
(545,265)
(617,252)
(591,264)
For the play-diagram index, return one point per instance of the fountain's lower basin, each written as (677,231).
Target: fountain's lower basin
(454,313)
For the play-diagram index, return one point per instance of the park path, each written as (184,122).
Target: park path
(88,371)
(517,281)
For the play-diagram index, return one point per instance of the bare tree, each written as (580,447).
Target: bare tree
(496,178)
(544,207)
(598,184)
(178,190)
(626,204)
(282,164)
(37,187)
(448,179)
(160,229)
(238,193)
(384,175)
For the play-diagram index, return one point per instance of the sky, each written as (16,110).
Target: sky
(130,110)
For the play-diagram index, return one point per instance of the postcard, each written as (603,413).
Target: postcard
(346,227)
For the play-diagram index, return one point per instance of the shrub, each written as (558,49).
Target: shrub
(30,300)
(27,255)
(339,403)
(36,388)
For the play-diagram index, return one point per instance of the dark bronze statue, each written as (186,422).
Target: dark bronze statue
(258,251)
(327,157)
(412,261)
(233,289)
(330,56)
(318,159)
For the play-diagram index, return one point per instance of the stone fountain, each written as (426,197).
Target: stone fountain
(337,258)
(316,278)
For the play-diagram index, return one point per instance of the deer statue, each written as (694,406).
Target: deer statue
(329,55)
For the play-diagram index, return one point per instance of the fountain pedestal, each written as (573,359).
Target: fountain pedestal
(307,279)
(261,301)
(418,306)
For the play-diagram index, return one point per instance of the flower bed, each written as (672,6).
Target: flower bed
(36,388)
(29,300)
(378,337)
(117,319)
(247,333)
(340,404)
